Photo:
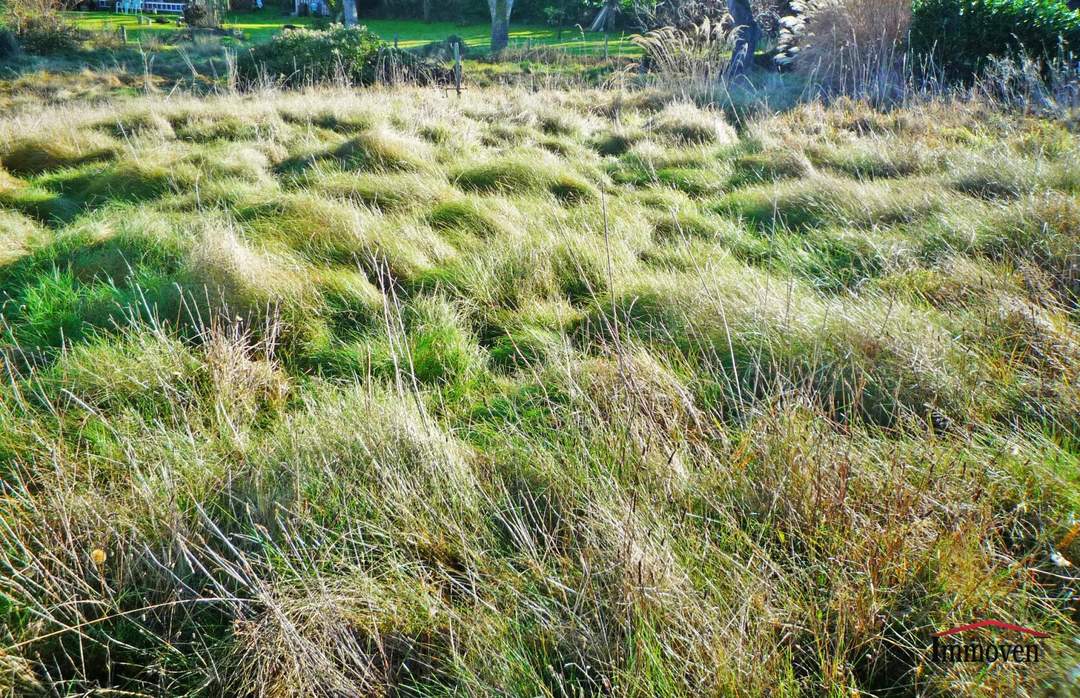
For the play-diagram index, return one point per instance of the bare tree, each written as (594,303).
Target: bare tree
(500,23)
(745,31)
(349,7)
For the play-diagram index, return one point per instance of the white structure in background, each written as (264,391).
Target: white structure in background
(136,7)
(316,8)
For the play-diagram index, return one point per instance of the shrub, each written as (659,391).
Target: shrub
(300,56)
(48,35)
(853,42)
(9,44)
(962,34)
(38,26)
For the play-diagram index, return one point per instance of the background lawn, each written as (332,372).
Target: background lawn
(260,26)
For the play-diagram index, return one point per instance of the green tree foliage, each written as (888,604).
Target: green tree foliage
(962,34)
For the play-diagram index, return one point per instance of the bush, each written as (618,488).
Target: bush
(45,37)
(962,34)
(300,56)
(204,13)
(853,43)
(195,15)
(9,44)
(38,26)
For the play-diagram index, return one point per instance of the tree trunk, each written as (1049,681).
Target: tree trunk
(426,10)
(746,32)
(500,24)
(349,6)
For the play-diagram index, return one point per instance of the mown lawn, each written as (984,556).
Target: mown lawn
(260,26)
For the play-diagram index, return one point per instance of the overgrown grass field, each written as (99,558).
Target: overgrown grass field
(534,393)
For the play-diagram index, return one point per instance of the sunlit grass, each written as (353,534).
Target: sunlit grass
(532,392)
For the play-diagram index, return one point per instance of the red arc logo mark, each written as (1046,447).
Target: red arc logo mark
(991,624)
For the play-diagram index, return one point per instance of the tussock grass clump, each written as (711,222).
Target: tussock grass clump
(320,229)
(346,122)
(136,179)
(138,124)
(692,181)
(19,235)
(572,189)
(824,200)
(1043,230)
(686,123)
(516,174)
(876,158)
(223,271)
(559,123)
(29,156)
(986,178)
(128,372)
(353,301)
(235,161)
(441,348)
(508,175)
(40,204)
(617,142)
(770,165)
(204,126)
(382,150)
(525,344)
(384,192)
(469,216)
(437,133)
(683,224)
